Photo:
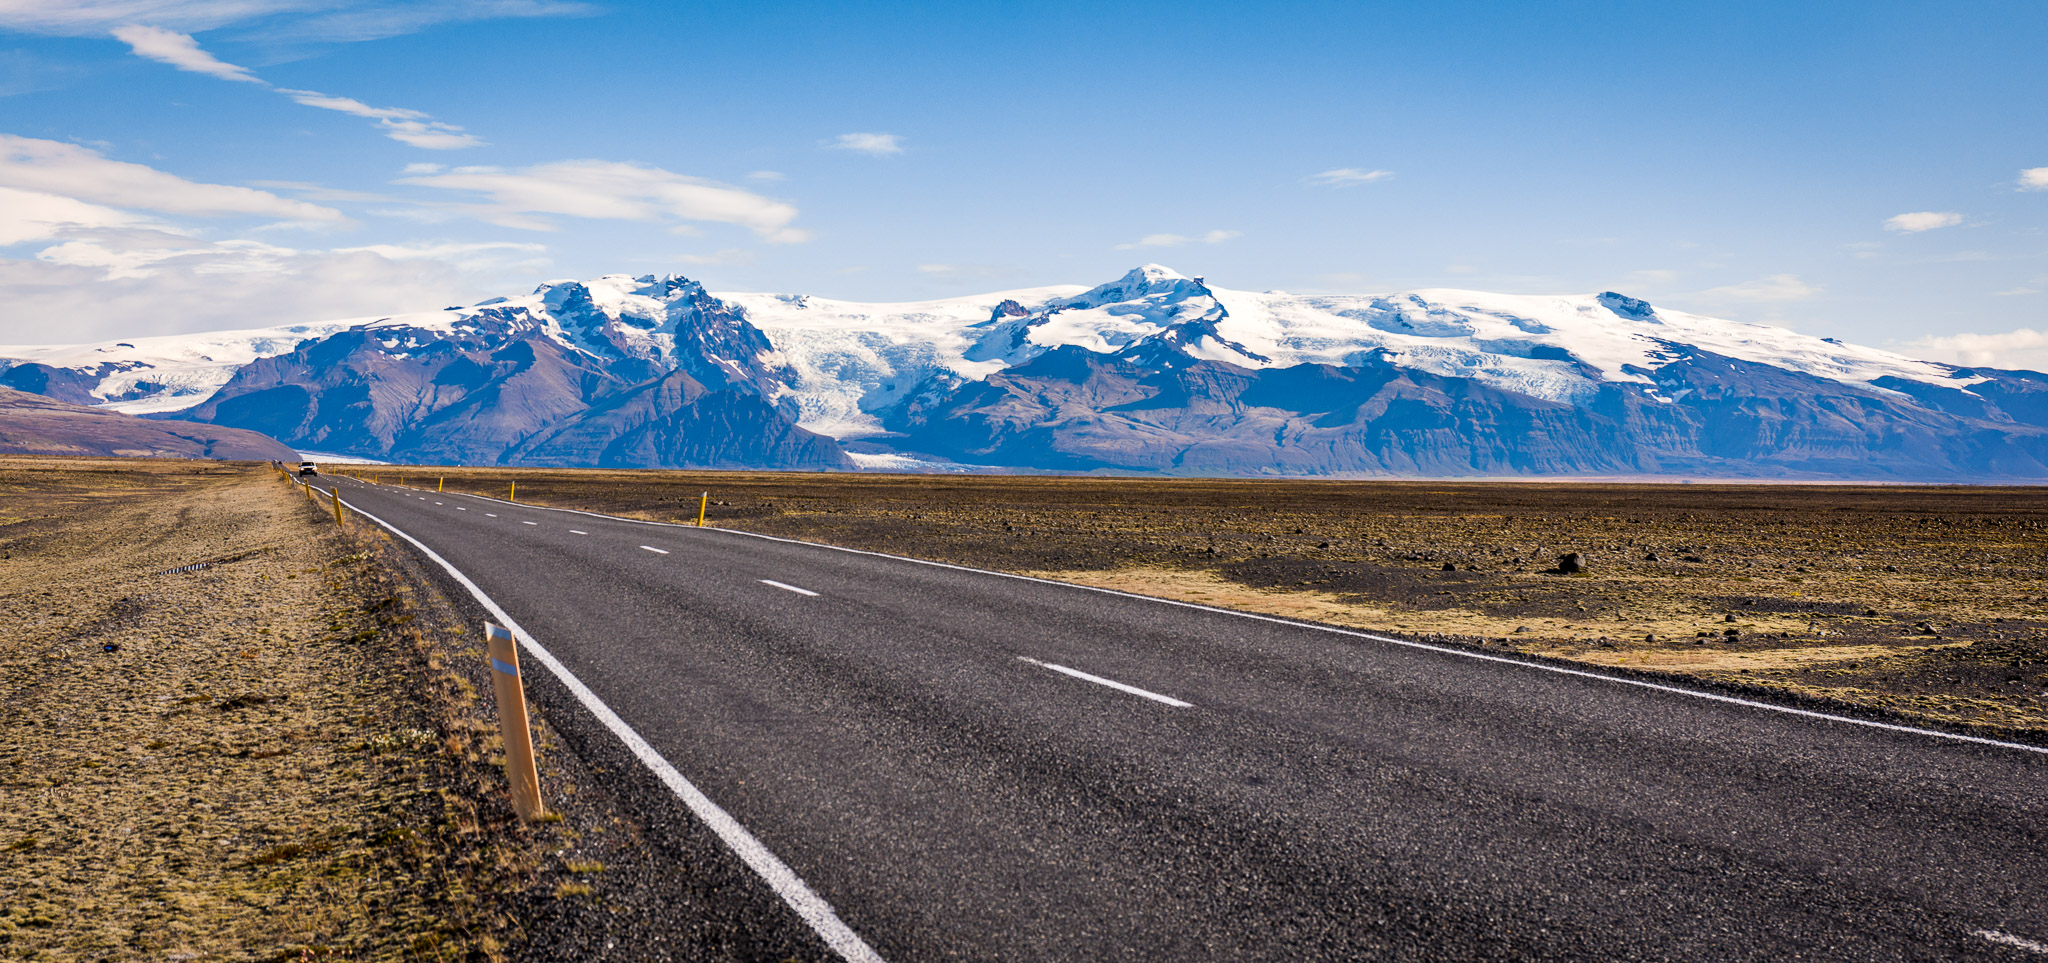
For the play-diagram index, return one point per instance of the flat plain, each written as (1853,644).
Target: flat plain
(1926,601)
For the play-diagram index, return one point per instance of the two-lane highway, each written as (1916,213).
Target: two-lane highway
(968,765)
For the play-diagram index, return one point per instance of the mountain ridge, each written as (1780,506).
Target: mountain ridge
(1152,372)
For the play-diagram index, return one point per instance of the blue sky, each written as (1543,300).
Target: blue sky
(1871,171)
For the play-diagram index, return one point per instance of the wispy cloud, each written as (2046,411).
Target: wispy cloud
(1347,177)
(878,145)
(321,21)
(1176,240)
(766,177)
(1918,221)
(608,190)
(2034,179)
(80,173)
(401,124)
(180,51)
(2015,292)
(1775,287)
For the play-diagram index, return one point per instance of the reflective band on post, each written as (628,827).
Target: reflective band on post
(502,667)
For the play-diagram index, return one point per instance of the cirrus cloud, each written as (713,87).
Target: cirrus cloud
(82,174)
(1347,177)
(180,51)
(610,190)
(879,145)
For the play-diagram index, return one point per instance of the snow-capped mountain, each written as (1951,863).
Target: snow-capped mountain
(1155,371)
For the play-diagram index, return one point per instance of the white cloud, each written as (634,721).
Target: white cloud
(1652,276)
(400,124)
(323,21)
(1176,240)
(608,190)
(68,170)
(1919,221)
(1347,177)
(35,216)
(180,51)
(2015,292)
(136,286)
(765,176)
(876,144)
(2034,179)
(955,270)
(494,256)
(1775,287)
(2022,348)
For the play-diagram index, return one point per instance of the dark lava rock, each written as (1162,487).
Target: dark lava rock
(1652,557)
(1571,563)
(1450,566)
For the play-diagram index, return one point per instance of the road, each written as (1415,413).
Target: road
(970,766)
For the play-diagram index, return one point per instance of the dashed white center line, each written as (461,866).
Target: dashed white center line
(492,514)
(576,532)
(459,508)
(788,588)
(437,503)
(1112,683)
(2017,942)
(657,551)
(529,523)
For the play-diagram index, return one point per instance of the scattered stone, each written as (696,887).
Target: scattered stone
(1571,563)
(1323,545)
(1733,633)
(1692,558)
(1652,557)
(1450,566)
(1891,568)
(1870,613)
(1650,639)
(1730,617)
(1519,629)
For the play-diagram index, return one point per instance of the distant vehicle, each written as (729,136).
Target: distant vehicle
(308,468)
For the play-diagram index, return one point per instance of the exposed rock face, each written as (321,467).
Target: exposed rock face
(1073,409)
(576,385)
(33,424)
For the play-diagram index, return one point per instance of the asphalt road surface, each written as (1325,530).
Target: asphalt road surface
(969,766)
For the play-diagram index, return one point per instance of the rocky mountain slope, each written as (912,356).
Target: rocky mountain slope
(1152,372)
(33,424)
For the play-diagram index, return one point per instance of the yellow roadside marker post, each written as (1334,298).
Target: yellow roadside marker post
(513,724)
(440,483)
(337,506)
(513,496)
(703,504)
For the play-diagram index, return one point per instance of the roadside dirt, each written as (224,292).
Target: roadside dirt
(275,760)
(1927,601)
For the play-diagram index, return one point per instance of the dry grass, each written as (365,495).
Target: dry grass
(267,767)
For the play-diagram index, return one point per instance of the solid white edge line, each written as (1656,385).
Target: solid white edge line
(660,551)
(1424,646)
(1112,683)
(806,902)
(788,587)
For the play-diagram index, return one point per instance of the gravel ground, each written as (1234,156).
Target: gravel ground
(283,756)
